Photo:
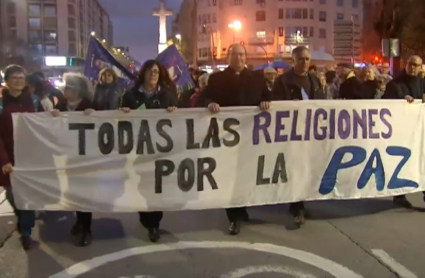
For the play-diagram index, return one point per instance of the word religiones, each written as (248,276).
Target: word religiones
(321,124)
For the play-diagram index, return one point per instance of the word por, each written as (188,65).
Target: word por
(359,155)
(321,124)
(187,173)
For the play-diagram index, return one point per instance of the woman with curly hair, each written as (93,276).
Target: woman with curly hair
(153,90)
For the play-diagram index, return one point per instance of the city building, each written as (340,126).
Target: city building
(269,29)
(35,29)
(184,31)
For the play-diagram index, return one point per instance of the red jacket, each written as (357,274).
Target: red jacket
(23,103)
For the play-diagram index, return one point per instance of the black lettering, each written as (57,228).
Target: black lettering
(190,135)
(207,171)
(163,168)
(81,135)
(106,132)
(169,142)
(260,171)
(186,183)
(125,130)
(227,126)
(212,135)
(144,137)
(280,169)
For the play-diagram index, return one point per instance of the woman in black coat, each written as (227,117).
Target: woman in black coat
(153,90)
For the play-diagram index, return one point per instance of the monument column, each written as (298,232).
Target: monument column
(162,13)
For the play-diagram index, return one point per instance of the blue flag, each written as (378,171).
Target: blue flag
(177,68)
(98,58)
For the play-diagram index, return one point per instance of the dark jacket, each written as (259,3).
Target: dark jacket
(55,95)
(22,104)
(351,88)
(285,89)
(369,88)
(83,105)
(226,88)
(106,97)
(162,99)
(404,85)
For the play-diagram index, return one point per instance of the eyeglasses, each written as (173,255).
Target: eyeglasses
(153,71)
(15,78)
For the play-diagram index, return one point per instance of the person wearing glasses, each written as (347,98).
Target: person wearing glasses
(153,89)
(407,85)
(15,98)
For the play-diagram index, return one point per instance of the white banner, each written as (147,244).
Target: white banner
(192,159)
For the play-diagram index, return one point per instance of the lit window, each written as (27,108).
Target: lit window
(261,34)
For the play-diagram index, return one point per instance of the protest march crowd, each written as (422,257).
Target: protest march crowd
(154,89)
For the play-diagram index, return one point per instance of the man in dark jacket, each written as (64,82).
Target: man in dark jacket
(350,87)
(298,84)
(235,86)
(409,86)
(15,99)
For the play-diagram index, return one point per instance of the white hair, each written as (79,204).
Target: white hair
(79,84)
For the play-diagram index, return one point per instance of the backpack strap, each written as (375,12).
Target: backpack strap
(35,102)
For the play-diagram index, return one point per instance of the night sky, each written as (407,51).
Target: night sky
(135,27)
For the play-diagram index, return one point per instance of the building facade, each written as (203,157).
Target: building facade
(267,28)
(38,28)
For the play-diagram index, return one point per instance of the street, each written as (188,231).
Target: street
(361,238)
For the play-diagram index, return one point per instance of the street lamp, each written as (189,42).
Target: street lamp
(236,26)
(178,36)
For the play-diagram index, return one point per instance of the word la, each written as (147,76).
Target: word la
(279,171)
(359,154)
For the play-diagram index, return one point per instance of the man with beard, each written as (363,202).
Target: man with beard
(298,84)
(235,86)
(409,86)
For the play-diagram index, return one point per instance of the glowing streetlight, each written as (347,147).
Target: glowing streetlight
(178,36)
(93,33)
(103,40)
(235,25)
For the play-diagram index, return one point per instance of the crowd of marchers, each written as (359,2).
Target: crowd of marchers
(154,89)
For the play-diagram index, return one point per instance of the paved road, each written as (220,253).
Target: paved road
(365,238)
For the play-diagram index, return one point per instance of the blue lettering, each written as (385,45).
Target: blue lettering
(328,182)
(358,155)
(395,182)
(369,170)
